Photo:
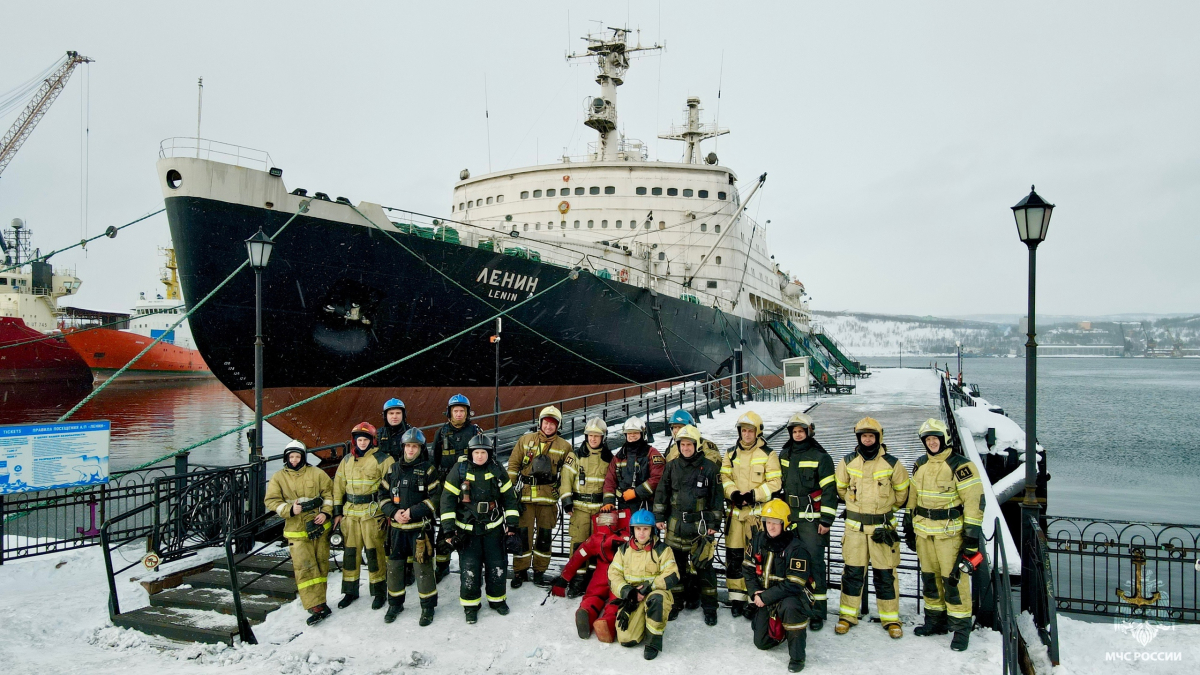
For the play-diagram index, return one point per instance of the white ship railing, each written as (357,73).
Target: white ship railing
(204,148)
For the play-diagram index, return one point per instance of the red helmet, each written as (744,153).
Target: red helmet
(364,429)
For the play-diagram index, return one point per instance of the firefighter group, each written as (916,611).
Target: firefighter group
(643,524)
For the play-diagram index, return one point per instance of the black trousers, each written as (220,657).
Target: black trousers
(806,532)
(484,563)
(701,585)
(793,612)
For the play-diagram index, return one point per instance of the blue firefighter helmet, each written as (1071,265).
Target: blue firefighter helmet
(393,403)
(458,399)
(413,435)
(642,518)
(683,417)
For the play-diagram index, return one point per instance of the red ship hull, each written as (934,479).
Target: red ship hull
(105,350)
(28,356)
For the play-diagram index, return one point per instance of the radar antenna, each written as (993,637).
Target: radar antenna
(612,53)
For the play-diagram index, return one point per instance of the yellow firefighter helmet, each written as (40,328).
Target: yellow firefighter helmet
(596,426)
(871,425)
(933,427)
(551,412)
(751,419)
(777,509)
(689,432)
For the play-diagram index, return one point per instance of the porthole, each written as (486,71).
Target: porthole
(550,192)
(717,229)
(489,200)
(704,227)
(594,190)
(525,194)
(672,192)
(703,194)
(656,191)
(618,224)
(610,190)
(718,260)
(174,179)
(687,192)
(720,195)
(604,224)
(640,191)
(591,224)
(537,193)
(662,224)
(579,191)
(577,224)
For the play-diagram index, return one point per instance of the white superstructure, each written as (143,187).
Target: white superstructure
(30,291)
(154,316)
(675,227)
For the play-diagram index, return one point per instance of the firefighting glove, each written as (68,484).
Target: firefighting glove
(559,587)
(623,619)
(735,498)
(310,504)
(568,505)
(910,535)
(607,507)
(885,535)
(630,598)
(629,495)
(513,544)
(313,530)
(645,589)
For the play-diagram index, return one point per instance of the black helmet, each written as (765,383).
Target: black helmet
(413,435)
(481,441)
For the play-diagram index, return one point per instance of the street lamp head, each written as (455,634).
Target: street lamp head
(1033,218)
(258,247)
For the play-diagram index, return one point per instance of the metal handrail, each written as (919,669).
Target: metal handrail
(1006,616)
(184,146)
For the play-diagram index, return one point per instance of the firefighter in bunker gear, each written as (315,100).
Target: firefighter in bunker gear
(680,419)
(395,423)
(689,506)
(945,514)
(478,505)
(581,490)
(535,463)
(450,447)
(302,495)
(409,493)
(750,474)
(810,489)
(873,484)
(641,577)
(596,611)
(634,473)
(355,509)
(782,577)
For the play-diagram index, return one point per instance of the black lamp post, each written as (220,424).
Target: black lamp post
(958,343)
(1033,220)
(258,247)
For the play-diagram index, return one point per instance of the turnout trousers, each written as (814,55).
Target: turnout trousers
(699,583)
(738,533)
(806,532)
(536,529)
(406,547)
(938,558)
(310,564)
(363,540)
(791,611)
(857,550)
(649,617)
(483,563)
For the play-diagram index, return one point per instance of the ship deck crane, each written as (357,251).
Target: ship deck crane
(51,87)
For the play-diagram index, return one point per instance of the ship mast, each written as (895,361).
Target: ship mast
(693,133)
(612,58)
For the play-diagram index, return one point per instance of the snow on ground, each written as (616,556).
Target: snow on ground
(1108,645)
(894,386)
(57,623)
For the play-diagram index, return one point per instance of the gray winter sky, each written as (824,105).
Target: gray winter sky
(895,135)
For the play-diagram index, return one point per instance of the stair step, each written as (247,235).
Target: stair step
(256,607)
(273,585)
(259,563)
(188,625)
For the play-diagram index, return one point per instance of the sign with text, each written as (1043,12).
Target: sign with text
(57,455)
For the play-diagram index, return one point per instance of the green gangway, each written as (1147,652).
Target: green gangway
(819,367)
(849,365)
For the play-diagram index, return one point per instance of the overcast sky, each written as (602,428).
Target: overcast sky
(895,135)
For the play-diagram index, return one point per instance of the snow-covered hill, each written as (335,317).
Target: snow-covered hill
(865,335)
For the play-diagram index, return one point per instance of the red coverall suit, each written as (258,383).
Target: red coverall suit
(598,549)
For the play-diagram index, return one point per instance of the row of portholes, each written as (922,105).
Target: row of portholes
(591,224)
(566,192)
(477,202)
(674,192)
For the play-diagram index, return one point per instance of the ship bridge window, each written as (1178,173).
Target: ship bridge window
(710,284)
(470,203)
(537,193)
(610,190)
(499,199)
(563,226)
(672,192)
(489,200)
(718,260)
(647,224)
(703,194)
(461,206)
(640,191)
(526,227)
(550,192)
(593,190)
(578,191)
(656,191)
(687,192)
(717,229)
(537,226)
(618,224)
(524,194)
(604,224)
(591,224)
(704,227)
(720,195)
(3,281)
(577,224)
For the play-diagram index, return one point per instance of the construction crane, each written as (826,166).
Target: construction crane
(51,87)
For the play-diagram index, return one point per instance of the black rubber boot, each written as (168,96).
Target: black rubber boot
(795,666)
(816,624)
(379,596)
(519,578)
(472,614)
(750,611)
(395,606)
(935,624)
(318,614)
(691,603)
(426,616)
(583,623)
(539,580)
(653,647)
(710,616)
(501,607)
(962,638)
(737,608)
(347,600)
(674,613)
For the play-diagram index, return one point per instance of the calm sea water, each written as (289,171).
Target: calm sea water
(1123,435)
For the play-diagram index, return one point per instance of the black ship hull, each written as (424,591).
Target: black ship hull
(341,300)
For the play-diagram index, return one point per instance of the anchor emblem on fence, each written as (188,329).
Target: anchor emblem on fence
(1136,598)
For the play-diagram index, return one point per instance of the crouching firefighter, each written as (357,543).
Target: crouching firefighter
(810,489)
(945,514)
(873,484)
(535,464)
(303,496)
(689,505)
(478,506)
(581,493)
(596,611)
(354,507)
(641,577)
(783,575)
(408,492)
